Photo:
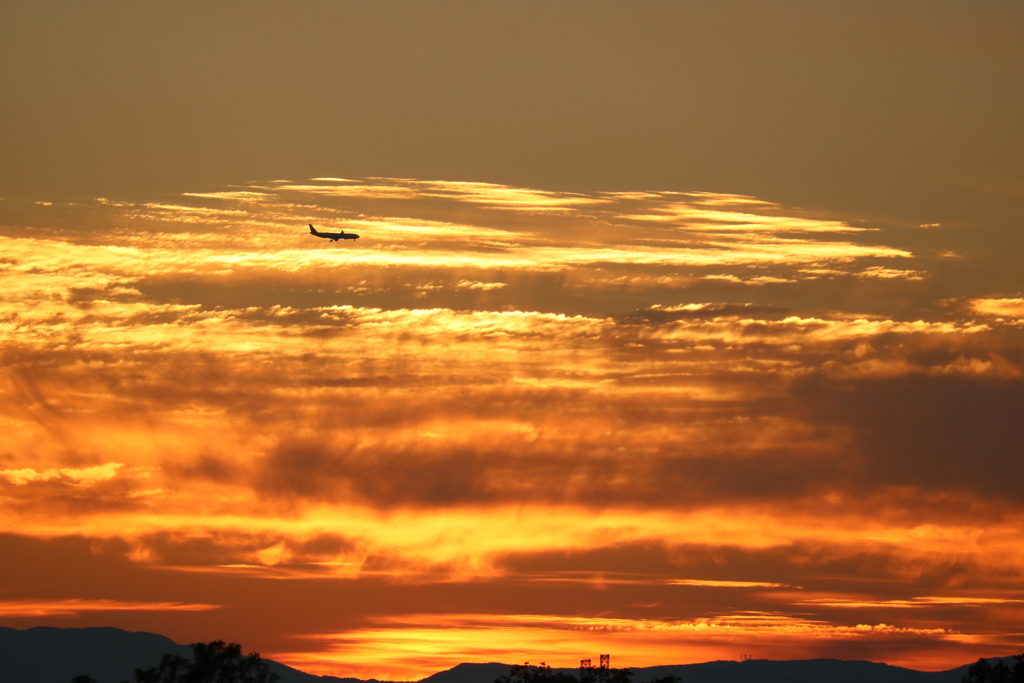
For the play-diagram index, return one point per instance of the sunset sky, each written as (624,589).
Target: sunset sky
(678,331)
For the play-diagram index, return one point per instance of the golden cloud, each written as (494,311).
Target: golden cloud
(626,393)
(76,606)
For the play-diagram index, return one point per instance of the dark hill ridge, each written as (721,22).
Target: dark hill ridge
(54,655)
(753,671)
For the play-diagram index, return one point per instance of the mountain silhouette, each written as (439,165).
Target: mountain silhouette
(46,654)
(752,671)
(54,655)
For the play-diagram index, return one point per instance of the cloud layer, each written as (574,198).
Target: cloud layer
(685,421)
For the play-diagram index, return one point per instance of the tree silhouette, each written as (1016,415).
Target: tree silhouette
(214,662)
(983,672)
(598,675)
(524,673)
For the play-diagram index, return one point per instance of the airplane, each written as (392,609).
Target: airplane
(333,236)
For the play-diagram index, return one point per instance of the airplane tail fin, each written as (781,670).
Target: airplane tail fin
(312,230)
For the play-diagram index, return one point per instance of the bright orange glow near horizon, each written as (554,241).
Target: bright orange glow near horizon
(506,424)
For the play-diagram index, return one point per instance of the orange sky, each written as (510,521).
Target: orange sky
(672,426)
(680,331)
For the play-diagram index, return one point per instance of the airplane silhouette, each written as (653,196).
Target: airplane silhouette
(333,236)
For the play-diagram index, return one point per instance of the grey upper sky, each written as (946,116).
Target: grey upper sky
(908,110)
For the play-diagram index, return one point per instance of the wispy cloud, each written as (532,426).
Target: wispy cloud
(911,603)
(77,606)
(632,395)
(724,584)
(1009,308)
(79,475)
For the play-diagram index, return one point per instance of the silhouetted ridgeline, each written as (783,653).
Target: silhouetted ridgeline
(110,655)
(753,671)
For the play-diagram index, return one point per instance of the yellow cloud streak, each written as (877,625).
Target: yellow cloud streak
(724,584)
(913,603)
(75,606)
(505,196)
(90,262)
(105,323)
(465,542)
(1009,308)
(699,219)
(76,475)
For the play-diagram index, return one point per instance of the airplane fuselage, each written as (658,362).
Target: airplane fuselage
(333,236)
